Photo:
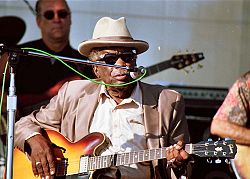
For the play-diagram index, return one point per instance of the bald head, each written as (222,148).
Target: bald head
(39,2)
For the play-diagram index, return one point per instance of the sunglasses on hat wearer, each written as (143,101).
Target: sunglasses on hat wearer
(49,15)
(111,58)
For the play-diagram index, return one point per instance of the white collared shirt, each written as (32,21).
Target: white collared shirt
(123,125)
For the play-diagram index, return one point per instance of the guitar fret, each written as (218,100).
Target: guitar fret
(106,162)
(99,162)
(146,155)
(127,158)
(151,154)
(119,159)
(141,155)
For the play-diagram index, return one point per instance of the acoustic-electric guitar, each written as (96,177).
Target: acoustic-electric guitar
(83,157)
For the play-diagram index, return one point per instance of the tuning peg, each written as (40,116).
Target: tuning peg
(209,160)
(180,66)
(227,161)
(209,139)
(218,161)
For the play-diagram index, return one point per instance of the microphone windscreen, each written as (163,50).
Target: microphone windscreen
(134,75)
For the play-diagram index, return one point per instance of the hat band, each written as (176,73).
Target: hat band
(116,38)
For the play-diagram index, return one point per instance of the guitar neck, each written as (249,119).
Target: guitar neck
(127,158)
(153,69)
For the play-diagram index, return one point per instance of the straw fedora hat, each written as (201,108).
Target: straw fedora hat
(112,33)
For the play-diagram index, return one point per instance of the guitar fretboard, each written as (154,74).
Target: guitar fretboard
(157,68)
(99,162)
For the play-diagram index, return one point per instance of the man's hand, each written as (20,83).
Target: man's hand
(42,157)
(176,155)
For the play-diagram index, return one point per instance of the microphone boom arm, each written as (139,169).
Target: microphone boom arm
(27,52)
(75,60)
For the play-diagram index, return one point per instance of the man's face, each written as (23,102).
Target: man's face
(115,56)
(54,20)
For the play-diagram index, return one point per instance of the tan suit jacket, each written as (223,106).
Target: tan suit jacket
(71,112)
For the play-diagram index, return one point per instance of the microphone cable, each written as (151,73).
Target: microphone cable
(2,91)
(79,73)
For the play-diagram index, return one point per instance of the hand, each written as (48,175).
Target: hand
(42,157)
(176,155)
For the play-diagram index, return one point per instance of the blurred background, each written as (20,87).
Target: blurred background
(217,29)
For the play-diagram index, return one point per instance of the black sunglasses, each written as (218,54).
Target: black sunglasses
(111,58)
(49,15)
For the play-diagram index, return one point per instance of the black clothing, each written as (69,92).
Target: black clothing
(36,75)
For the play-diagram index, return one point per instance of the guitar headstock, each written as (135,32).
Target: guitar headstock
(183,60)
(221,148)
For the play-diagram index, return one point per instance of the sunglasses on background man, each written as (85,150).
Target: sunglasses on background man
(49,15)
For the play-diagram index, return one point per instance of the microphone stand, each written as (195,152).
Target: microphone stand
(11,113)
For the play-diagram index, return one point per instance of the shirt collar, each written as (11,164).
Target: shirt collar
(136,95)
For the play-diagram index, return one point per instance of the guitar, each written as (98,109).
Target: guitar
(177,61)
(241,164)
(82,156)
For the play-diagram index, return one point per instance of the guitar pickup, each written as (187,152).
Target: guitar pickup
(83,168)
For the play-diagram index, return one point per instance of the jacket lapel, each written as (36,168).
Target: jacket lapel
(86,108)
(151,116)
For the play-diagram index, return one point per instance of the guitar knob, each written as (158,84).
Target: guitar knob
(209,139)
(209,160)
(218,161)
(227,161)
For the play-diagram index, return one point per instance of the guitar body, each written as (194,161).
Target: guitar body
(92,144)
(241,162)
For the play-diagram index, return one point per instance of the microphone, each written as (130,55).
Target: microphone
(137,72)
